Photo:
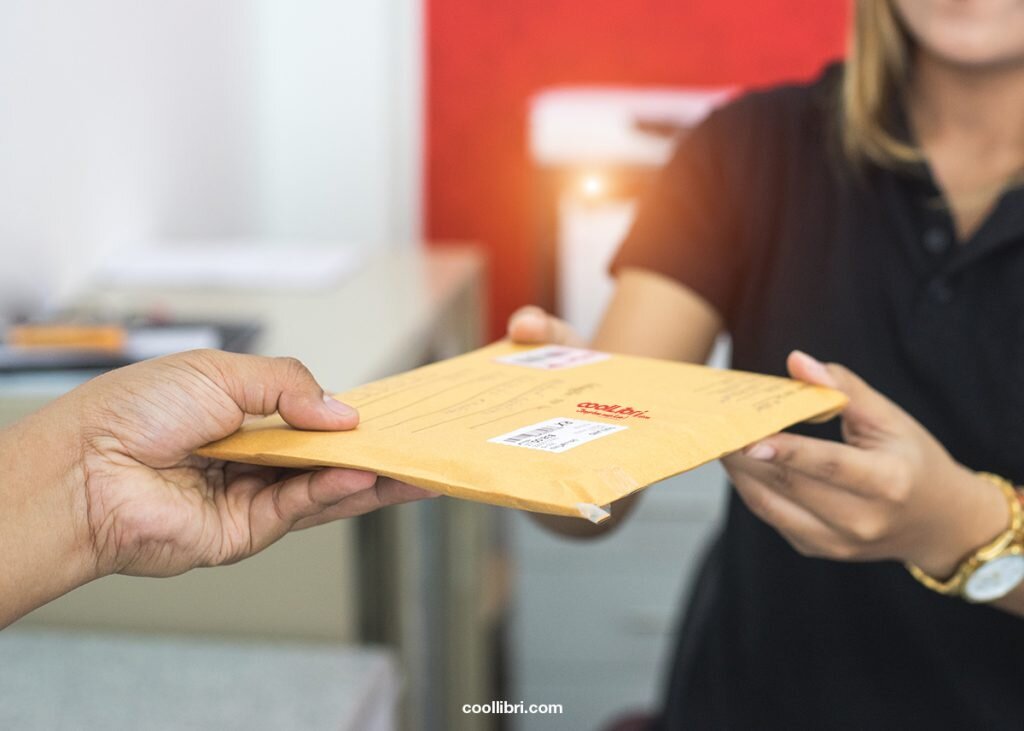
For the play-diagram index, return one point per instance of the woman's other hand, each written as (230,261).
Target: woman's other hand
(891,491)
(532,325)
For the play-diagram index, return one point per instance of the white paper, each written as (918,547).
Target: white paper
(557,435)
(231,265)
(554,357)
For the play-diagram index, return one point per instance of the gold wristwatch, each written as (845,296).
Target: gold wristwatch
(995,569)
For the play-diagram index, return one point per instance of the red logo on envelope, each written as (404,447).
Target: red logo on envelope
(611,411)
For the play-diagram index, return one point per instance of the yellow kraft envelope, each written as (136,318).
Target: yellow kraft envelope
(550,429)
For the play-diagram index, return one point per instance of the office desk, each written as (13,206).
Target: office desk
(63,681)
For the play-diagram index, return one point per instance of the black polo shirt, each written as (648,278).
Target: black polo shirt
(759,214)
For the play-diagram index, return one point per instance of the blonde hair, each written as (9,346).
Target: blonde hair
(876,75)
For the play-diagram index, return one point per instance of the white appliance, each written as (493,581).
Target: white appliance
(595,150)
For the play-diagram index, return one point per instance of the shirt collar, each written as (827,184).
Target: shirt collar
(1004,224)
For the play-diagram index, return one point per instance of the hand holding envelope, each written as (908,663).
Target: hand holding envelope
(551,429)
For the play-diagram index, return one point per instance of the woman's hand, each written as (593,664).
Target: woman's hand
(531,324)
(890,492)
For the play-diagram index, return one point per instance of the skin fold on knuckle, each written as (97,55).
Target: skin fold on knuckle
(277,502)
(790,450)
(216,372)
(830,470)
(391,493)
(395,492)
(343,484)
(301,382)
(780,478)
(326,488)
(867,530)
(214,365)
(786,450)
(895,482)
(294,369)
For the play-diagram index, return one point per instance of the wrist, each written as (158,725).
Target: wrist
(44,534)
(978,513)
(73,477)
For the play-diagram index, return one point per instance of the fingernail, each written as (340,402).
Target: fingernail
(339,408)
(763,452)
(816,367)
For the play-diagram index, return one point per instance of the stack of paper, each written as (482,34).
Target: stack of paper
(274,266)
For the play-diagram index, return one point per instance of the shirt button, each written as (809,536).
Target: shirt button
(936,240)
(940,291)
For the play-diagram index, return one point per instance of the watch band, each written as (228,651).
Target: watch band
(999,545)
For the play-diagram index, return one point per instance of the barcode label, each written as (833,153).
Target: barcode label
(554,357)
(557,435)
(518,437)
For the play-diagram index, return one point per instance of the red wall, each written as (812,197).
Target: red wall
(486,57)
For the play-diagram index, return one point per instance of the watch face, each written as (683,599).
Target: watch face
(995,579)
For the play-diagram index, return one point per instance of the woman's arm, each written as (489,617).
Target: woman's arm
(649,315)
(889,491)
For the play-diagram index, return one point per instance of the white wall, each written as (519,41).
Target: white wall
(130,120)
(328,65)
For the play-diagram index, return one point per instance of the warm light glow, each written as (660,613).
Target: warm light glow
(593,185)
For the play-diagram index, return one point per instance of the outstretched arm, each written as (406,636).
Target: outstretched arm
(104,479)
